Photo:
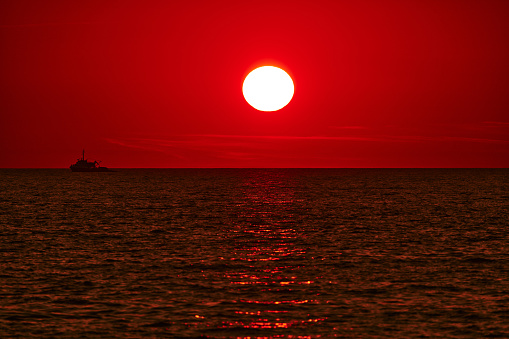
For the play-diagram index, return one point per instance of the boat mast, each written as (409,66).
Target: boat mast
(83,158)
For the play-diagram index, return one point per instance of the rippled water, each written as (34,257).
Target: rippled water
(254,253)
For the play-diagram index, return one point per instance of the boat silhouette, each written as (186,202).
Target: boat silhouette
(83,165)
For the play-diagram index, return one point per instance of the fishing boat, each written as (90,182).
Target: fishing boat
(83,165)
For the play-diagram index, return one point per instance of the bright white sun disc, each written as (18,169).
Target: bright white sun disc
(268,88)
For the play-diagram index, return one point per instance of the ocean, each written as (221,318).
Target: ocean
(254,253)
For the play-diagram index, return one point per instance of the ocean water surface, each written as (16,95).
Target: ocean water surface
(255,253)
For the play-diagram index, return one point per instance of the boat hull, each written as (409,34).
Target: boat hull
(98,169)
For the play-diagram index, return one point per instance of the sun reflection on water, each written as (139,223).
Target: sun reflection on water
(265,239)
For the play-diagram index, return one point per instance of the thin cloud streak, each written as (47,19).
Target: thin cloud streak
(218,141)
(280,151)
(380,138)
(283,137)
(447,138)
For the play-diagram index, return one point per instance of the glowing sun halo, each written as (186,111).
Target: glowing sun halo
(268,88)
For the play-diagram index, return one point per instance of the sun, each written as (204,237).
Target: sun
(268,88)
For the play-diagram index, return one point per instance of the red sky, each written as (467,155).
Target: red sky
(158,83)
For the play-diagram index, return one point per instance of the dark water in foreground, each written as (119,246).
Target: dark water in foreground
(254,253)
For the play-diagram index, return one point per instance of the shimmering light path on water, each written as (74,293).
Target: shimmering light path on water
(254,253)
